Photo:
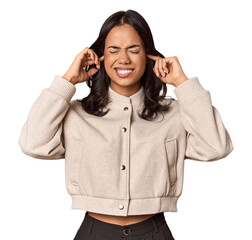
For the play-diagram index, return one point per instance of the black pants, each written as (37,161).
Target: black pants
(154,228)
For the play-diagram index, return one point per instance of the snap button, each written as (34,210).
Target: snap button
(124,129)
(126,231)
(122,167)
(121,207)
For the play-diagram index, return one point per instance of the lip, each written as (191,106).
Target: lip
(123,75)
(117,68)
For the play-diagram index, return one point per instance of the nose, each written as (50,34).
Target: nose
(123,58)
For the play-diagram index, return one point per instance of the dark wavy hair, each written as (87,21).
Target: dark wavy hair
(99,83)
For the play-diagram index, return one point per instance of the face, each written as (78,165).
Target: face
(124,58)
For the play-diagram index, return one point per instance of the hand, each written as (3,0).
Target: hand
(76,73)
(168,70)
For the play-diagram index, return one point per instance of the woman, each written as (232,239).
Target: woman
(124,166)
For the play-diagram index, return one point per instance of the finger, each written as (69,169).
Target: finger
(86,56)
(101,58)
(91,72)
(95,57)
(85,53)
(88,62)
(155,69)
(92,54)
(97,61)
(89,55)
(153,57)
(159,68)
(165,69)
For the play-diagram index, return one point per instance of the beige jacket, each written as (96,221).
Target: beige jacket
(120,164)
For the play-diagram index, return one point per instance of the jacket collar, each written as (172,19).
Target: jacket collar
(116,97)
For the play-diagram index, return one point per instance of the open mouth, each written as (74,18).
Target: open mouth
(124,72)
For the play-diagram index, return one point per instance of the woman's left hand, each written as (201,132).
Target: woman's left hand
(168,70)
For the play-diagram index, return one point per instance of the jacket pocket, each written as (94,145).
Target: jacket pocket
(171,156)
(73,158)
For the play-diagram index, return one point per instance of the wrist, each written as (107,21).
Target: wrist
(180,81)
(68,78)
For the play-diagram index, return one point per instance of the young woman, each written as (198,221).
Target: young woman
(124,166)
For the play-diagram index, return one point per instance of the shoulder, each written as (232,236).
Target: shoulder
(75,105)
(75,102)
(169,100)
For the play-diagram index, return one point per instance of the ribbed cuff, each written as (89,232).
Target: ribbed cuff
(63,87)
(189,90)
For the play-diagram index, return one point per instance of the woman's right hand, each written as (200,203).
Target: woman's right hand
(76,73)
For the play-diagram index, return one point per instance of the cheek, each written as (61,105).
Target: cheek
(142,63)
(143,69)
(108,61)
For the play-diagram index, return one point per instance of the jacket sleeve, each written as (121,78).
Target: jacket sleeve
(42,133)
(207,138)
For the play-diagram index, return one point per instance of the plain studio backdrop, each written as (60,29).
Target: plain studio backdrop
(212,40)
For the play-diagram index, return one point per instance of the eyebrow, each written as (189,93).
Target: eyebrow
(132,46)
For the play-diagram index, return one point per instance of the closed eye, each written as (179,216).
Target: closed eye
(130,51)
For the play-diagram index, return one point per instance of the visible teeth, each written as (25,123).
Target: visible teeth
(123,71)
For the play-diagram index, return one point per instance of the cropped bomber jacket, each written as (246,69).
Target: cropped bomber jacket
(120,164)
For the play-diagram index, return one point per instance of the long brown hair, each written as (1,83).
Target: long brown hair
(99,83)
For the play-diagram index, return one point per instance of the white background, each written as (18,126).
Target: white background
(212,40)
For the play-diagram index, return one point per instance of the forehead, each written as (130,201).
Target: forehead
(123,36)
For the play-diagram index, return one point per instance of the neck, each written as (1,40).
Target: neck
(126,91)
